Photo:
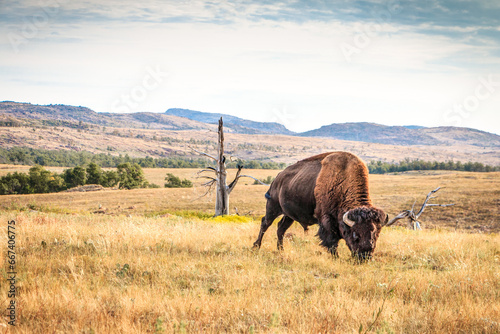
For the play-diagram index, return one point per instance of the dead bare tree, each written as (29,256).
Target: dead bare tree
(413,217)
(219,175)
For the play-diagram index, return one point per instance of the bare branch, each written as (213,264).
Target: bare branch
(403,214)
(264,184)
(231,186)
(206,170)
(206,177)
(444,205)
(242,214)
(209,186)
(414,217)
(204,154)
(429,196)
(209,183)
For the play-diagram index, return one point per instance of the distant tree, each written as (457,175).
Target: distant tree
(17,183)
(131,176)
(110,178)
(94,174)
(56,183)
(39,179)
(75,177)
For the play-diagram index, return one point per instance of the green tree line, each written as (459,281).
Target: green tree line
(66,158)
(39,180)
(379,167)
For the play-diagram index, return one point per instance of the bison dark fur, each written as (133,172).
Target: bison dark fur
(331,190)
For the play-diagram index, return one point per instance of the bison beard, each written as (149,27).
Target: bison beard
(331,190)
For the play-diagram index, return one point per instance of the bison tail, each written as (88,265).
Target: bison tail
(267,195)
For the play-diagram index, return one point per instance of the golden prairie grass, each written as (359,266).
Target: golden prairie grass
(115,274)
(157,262)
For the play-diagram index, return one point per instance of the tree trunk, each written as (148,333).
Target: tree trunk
(222,201)
(222,189)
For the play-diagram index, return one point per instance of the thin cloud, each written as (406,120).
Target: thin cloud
(245,56)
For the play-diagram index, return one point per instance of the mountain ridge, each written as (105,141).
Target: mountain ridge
(231,121)
(404,135)
(186,119)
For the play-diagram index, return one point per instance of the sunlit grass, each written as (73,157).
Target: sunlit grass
(108,274)
(156,260)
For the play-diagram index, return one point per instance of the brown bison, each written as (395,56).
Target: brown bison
(331,190)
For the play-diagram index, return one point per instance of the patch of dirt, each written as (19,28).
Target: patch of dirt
(87,187)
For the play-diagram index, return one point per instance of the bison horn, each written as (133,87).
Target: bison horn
(346,220)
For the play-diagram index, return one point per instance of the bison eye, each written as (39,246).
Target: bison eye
(355,236)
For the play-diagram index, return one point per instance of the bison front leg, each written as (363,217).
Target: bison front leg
(329,238)
(283,225)
(333,249)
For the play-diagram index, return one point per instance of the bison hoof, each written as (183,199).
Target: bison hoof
(256,245)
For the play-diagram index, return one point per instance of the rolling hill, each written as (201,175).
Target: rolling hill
(143,134)
(173,119)
(403,135)
(239,124)
(57,114)
(185,119)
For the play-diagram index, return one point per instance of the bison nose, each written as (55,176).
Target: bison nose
(367,246)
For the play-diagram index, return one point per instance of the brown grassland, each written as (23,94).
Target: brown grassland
(278,148)
(156,262)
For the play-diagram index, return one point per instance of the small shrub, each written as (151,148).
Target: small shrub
(175,182)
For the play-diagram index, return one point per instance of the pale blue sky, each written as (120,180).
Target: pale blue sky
(301,63)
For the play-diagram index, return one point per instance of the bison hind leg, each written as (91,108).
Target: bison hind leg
(328,240)
(283,225)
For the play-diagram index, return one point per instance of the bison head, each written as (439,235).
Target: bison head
(361,229)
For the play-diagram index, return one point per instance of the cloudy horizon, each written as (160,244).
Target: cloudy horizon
(300,63)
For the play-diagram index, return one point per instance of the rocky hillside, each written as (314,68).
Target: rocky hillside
(63,115)
(26,114)
(173,119)
(403,135)
(239,124)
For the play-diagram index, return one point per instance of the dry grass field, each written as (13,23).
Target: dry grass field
(278,148)
(476,197)
(155,262)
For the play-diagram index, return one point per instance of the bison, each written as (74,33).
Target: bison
(331,190)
